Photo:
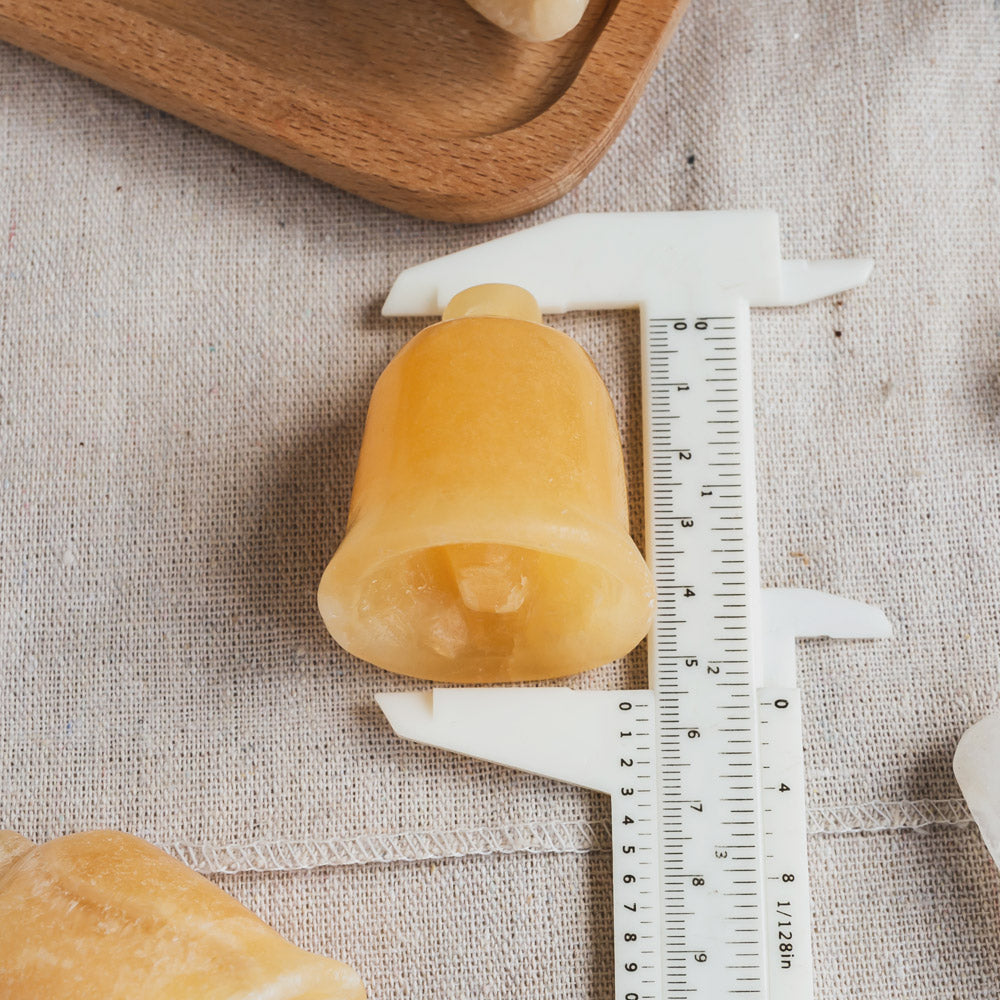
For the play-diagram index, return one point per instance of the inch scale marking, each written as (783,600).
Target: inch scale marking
(704,769)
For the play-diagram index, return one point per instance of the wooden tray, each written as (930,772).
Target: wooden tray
(420,105)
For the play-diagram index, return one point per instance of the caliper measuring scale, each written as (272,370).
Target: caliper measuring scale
(705,768)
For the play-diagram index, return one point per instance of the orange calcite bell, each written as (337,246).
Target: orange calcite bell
(106,916)
(488,538)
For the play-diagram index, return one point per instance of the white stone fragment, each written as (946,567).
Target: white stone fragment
(977,768)
(532,20)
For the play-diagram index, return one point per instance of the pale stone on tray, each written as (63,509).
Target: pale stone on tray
(532,20)
(977,768)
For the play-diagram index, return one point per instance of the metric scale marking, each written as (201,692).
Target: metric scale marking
(699,486)
(705,768)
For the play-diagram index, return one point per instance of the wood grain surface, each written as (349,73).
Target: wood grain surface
(420,105)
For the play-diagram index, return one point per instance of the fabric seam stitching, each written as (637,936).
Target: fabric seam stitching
(554,837)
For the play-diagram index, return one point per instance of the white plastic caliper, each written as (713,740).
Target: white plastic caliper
(704,769)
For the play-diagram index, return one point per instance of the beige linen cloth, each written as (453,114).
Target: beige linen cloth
(188,337)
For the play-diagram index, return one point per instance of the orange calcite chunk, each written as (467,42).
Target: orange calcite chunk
(106,916)
(487,539)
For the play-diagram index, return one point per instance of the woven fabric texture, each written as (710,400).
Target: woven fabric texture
(188,337)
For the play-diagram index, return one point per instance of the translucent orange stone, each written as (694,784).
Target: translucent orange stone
(487,539)
(106,916)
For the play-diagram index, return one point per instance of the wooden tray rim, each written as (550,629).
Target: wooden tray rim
(518,169)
